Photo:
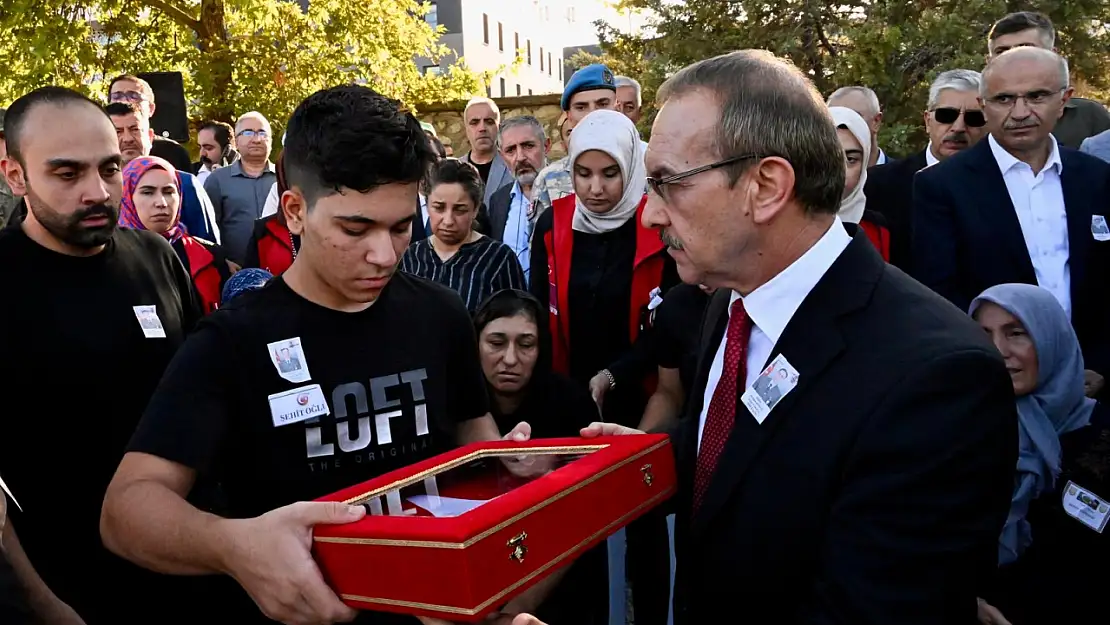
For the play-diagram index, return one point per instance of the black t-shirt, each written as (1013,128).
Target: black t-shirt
(79,370)
(14,609)
(483,169)
(677,327)
(397,379)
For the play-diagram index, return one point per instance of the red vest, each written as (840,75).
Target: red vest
(879,235)
(202,267)
(647,273)
(275,248)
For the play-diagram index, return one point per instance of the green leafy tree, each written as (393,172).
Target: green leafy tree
(896,47)
(235,55)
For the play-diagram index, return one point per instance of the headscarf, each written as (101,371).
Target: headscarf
(1057,406)
(851,207)
(132,173)
(613,133)
(247,279)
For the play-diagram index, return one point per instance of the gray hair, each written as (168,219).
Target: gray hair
(251,115)
(872,98)
(1030,54)
(768,107)
(625,81)
(476,101)
(523,120)
(956,79)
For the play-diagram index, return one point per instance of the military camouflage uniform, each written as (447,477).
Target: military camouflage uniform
(552,183)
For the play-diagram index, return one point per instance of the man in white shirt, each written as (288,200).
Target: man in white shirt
(873,489)
(524,146)
(1019,207)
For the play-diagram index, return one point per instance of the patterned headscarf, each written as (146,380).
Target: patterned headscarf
(132,173)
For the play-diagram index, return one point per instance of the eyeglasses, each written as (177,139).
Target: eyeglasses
(1033,98)
(973,119)
(658,185)
(126,96)
(250,134)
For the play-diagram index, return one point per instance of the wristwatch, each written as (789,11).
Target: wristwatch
(612,380)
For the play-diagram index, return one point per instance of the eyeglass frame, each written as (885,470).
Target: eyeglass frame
(1043,93)
(657,184)
(960,112)
(128,96)
(261,133)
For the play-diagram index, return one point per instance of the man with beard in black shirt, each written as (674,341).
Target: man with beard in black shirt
(337,371)
(92,316)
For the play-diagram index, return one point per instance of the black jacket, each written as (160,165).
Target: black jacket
(889,192)
(875,490)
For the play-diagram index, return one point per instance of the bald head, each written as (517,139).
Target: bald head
(1025,59)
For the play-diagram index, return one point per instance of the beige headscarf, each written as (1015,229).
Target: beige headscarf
(613,133)
(851,207)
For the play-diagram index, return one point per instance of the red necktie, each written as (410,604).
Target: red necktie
(721,415)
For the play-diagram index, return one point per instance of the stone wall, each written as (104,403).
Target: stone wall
(448,119)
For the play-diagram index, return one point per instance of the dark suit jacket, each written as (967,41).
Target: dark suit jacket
(418,233)
(889,192)
(875,491)
(499,204)
(967,237)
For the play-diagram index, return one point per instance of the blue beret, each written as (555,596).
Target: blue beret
(595,76)
(250,279)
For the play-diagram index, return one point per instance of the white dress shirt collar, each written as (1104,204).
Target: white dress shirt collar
(1007,161)
(930,159)
(773,304)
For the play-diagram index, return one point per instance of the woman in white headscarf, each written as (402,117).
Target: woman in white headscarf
(594,266)
(855,138)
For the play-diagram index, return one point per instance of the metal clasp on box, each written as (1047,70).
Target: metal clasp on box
(648,477)
(520,550)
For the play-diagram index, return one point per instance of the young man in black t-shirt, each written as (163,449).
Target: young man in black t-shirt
(334,373)
(91,317)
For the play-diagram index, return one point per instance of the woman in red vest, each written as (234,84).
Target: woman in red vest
(273,247)
(152,201)
(855,138)
(594,266)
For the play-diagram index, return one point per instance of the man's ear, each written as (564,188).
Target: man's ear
(293,205)
(547,146)
(13,175)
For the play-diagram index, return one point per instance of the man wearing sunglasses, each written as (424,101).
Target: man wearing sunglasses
(954,121)
(1020,207)
(136,91)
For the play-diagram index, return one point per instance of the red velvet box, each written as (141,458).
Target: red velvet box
(459,535)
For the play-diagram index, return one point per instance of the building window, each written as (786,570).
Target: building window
(516,43)
(500,37)
(489,92)
(529,44)
(502,87)
(518,90)
(541,58)
(432,70)
(549,70)
(560,69)
(485,28)
(529,92)
(433,16)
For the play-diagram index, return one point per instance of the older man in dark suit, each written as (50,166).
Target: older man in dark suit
(1019,207)
(874,491)
(954,121)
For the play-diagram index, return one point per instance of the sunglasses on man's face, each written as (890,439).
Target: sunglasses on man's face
(127,96)
(973,119)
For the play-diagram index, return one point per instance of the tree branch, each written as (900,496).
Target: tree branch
(174,12)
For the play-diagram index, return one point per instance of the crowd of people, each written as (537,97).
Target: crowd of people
(882,378)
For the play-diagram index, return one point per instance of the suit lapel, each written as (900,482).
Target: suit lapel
(996,206)
(497,174)
(811,342)
(1079,219)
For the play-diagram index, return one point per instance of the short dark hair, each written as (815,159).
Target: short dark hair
(351,136)
(221,130)
(18,111)
(768,107)
(437,146)
(454,171)
(1021,22)
(116,109)
(144,86)
(509,303)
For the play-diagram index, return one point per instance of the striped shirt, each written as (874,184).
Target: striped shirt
(475,272)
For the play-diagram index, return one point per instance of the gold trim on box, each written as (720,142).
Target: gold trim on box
(432,544)
(524,580)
